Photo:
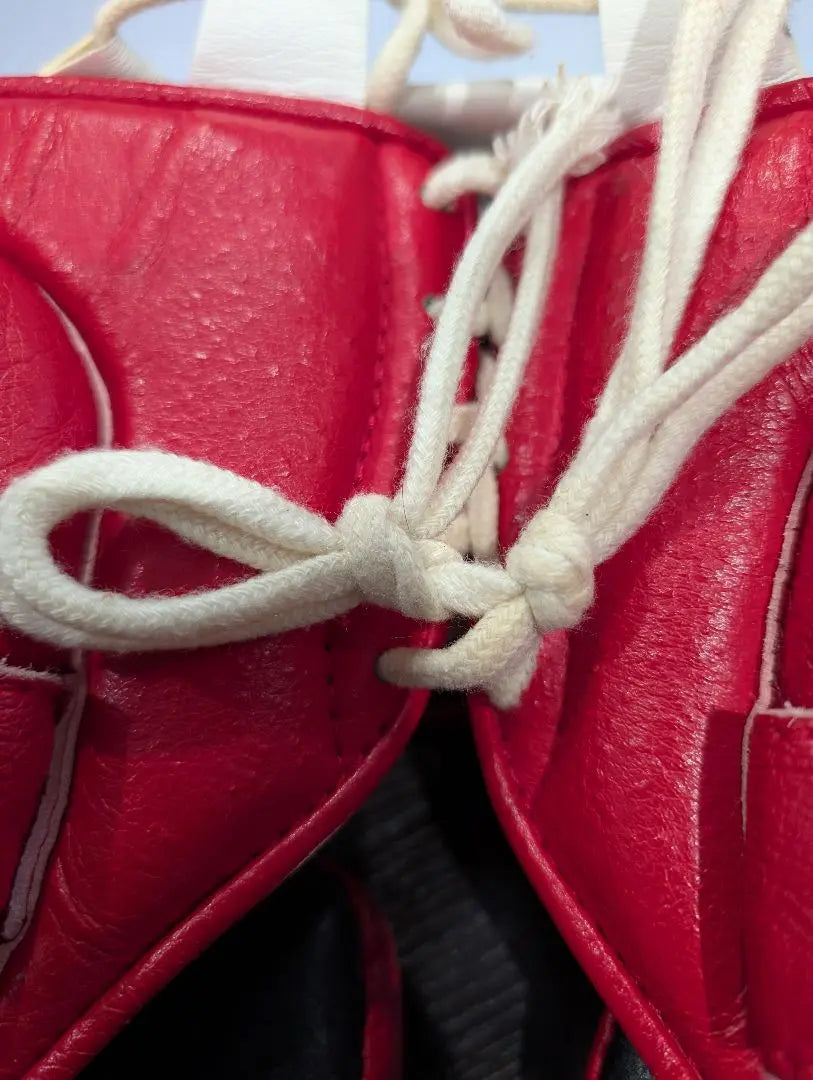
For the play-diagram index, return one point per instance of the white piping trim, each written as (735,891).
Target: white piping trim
(764,703)
(44,833)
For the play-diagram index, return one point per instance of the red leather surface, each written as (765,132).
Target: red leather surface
(600,1049)
(46,406)
(27,715)
(794,663)
(248,276)
(383,1034)
(619,778)
(779,913)
(779,857)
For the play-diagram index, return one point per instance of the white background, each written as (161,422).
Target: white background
(33,31)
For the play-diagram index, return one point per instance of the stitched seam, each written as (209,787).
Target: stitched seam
(378,385)
(348,768)
(383,334)
(579,903)
(645,139)
(382,341)
(525,792)
(170,97)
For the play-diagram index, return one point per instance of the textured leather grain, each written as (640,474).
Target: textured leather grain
(779,873)
(247,275)
(619,779)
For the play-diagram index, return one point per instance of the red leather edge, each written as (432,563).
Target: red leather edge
(168,956)
(778,896)
(601,1046)
(382,1045)
(774,101)
(328,113)
(654,1040)
(236,897)
(607,972)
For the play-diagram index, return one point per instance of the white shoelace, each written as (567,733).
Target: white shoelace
(389,551)
(478,28)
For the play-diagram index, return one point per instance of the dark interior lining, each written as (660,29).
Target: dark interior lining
(490,990)
(622,1061)
(278,997)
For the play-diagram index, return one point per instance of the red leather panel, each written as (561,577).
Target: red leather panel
(383,1037)
(601,1048)
(27,713)
(46,406)
(248,275)
(794,667)
(619,777)
(779,822)
(779,916)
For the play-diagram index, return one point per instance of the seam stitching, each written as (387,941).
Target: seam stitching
(384,308)
(347,767)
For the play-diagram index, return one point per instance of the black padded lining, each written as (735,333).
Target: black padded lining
(491,991)
(622,1061)
(278,997)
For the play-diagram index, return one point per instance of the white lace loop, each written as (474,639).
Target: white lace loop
(482,25)
(388,551)
(309,570)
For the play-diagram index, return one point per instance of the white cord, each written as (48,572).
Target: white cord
(475,529)
(388,551)
(477,28)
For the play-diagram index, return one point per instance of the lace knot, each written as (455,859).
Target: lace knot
(390,566)
(554,564)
